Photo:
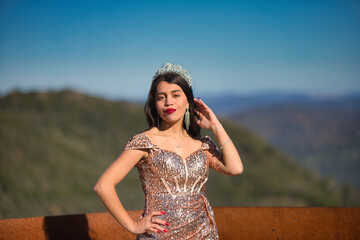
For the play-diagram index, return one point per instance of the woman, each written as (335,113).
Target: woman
(173,163)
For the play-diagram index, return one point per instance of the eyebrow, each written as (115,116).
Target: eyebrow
(174,91)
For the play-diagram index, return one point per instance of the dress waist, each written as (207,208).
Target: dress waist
(185,201)
(178,200)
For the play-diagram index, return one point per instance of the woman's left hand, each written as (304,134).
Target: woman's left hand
(207,118)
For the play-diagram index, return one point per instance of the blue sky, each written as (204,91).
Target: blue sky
(113,48)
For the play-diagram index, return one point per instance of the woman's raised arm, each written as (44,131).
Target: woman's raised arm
(230,163)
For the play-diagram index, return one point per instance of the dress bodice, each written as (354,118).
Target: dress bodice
(165,171)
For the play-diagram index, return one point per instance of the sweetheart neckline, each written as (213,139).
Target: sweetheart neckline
(173,152)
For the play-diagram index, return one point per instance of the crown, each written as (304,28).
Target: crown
(168,67)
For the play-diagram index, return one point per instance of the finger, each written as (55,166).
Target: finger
(154,229)
(157,213)
(197,103)
(200,116)
(199,107)
(197,112)
(159,221)
(156,220)
(151,215)
(159,229)
(156,225)
(202,102)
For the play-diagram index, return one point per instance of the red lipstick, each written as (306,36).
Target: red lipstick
(170,110)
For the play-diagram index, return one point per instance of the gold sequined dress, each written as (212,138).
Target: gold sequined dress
(176,186)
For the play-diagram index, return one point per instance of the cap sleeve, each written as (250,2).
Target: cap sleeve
(209,144)
(139,141)
(214,156)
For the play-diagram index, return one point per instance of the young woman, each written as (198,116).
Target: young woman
(173,162)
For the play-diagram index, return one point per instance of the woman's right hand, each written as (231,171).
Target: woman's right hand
(150,224)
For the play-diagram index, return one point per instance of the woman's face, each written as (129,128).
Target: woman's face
(170,102)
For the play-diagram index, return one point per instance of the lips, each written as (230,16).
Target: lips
(170,110)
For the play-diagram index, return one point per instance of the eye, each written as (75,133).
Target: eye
(159,98)
(177,95)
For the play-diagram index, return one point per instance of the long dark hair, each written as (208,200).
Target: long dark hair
(152,115)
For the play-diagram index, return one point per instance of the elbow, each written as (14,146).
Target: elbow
(102,187)
(98,187)
(237,171)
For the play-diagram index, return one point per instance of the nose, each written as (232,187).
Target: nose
(168,101)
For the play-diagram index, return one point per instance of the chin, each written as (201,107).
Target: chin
(171,120)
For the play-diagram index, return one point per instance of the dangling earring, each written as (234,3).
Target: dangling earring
(187,118)
(158,121)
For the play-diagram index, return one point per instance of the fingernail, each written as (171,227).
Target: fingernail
(167,224)
(165,230)
(162,212)
(158,231)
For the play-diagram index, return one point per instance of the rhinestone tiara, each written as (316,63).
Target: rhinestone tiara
(168,67)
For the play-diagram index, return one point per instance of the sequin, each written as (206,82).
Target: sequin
(177,186)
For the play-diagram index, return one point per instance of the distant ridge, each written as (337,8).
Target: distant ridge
(227,104)
(55,145)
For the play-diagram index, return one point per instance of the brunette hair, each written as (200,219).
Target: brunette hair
(152,115)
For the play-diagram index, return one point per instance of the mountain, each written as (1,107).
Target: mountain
(55,145)
(230,104)
(321,132)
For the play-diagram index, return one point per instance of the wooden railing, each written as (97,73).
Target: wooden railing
(233,223)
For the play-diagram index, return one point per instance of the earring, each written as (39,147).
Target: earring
(187,118)
(158,121)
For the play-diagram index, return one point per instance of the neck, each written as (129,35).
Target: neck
(175,129)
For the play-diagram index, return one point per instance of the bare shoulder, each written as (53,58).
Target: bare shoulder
(196,141)
(151,131)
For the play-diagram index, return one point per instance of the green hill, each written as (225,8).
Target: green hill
(323,137)
(55,145)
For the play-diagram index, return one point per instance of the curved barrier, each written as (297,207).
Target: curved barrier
(233,223)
